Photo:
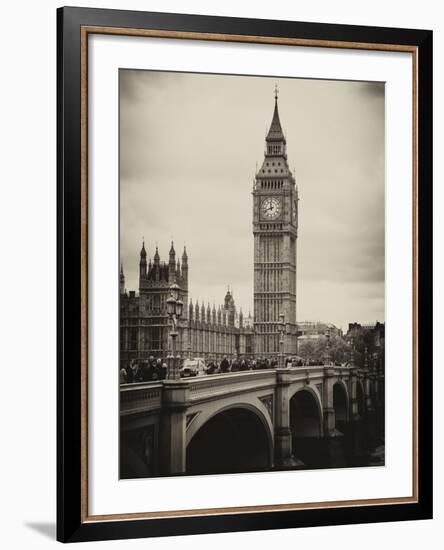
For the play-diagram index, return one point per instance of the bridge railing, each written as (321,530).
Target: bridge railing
(210,387)
(340,371)
(303,373)
(140,397)
(147,396)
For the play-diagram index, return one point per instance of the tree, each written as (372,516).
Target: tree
(315,350)
(307,350)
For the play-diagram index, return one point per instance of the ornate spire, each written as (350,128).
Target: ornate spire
(185,268)
(156,257)
(122,280)
(172,251)
(213,314)
(228,298)
(142,263)
(143,251)
(275,132)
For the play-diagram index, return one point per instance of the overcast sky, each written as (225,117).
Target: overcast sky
(189,144)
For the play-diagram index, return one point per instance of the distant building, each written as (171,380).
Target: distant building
(313,330)
(204,331)
(368,340)
(374,333)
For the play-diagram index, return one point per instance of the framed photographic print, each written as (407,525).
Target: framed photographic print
(245,269)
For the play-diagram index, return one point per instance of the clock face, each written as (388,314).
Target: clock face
(271,208)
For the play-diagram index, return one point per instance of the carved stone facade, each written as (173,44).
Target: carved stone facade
(144,321)
(214,333)
(204,331)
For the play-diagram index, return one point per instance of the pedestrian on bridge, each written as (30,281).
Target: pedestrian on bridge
(122,376)
(161,375)
(144,374)
(224,365)
(235,366)
(130,374)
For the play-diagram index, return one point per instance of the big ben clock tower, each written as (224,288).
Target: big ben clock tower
(275,225)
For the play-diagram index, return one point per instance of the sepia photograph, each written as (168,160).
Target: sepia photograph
(252,273)
(244,274)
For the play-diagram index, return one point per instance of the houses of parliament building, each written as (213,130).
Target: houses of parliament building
(210,331)
(203,331)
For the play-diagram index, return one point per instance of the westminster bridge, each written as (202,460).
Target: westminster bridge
(247,421)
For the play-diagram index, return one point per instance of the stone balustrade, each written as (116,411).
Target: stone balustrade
(215,386)
(147,396)
(140,397)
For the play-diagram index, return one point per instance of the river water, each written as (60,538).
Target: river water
(354,445)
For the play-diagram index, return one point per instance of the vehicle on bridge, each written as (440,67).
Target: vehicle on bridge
(193,367)
(294,361)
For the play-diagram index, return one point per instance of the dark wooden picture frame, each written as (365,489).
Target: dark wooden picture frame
(73,26)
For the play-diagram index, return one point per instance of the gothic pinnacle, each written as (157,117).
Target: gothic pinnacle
(143,251)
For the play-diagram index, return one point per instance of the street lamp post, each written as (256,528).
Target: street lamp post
(352,353)
(174,310)
(281,341)
(327,349)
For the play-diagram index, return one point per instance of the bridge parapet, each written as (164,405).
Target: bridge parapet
(213,387)
(140,397)
(342,371)
(297,374)
(148,396)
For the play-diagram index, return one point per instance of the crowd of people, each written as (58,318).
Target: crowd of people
(153,369)
(236,365)
(143,371)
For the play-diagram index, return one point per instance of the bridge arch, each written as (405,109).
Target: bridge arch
(233,437)
(306,412)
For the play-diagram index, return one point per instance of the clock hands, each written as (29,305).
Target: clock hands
(270,208)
